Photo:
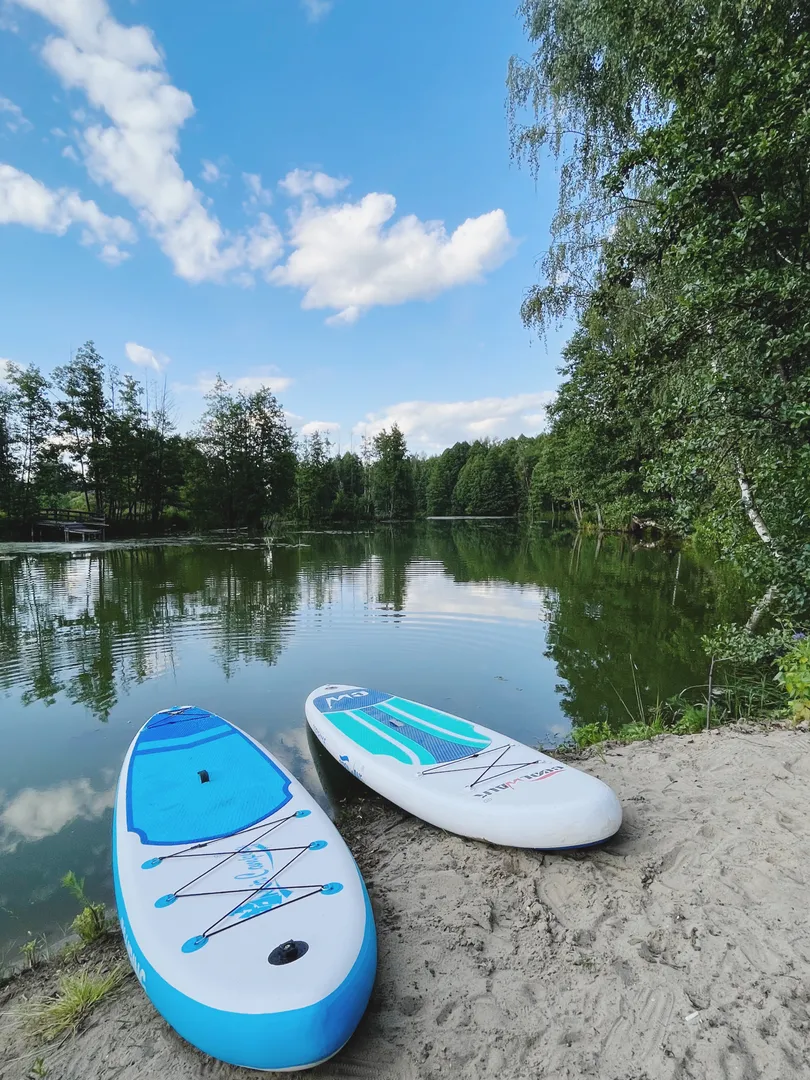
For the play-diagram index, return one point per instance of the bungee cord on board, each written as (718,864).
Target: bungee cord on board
(484,770)
(273,885)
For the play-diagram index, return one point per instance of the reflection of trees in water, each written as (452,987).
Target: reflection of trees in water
(396,547)
(604,602)
(375,563)
(89,625)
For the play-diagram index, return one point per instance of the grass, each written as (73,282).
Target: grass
(77,996)
(741,694)
(92,923)
(71,951)
(690,722)
(33,952)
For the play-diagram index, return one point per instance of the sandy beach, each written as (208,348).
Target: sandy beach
(678,951)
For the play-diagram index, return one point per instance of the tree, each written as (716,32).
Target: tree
(681,243)
(348,503)
(8,466)
(420,476)
(391,477)
(83,416)
(145,458)
(316,478)
(486,485)
(31,427)
(443,477)
(245,471)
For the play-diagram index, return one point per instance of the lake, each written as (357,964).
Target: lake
(525,631)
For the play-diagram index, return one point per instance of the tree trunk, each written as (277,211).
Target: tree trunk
(677,579)
(577,514)
(760,609)
(754,515)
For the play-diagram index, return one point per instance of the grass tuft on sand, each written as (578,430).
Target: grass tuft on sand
(77,996)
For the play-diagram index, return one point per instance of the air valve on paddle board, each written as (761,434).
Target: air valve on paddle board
(289,951)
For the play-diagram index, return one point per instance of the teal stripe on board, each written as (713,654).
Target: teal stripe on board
(377,744)
(433,716)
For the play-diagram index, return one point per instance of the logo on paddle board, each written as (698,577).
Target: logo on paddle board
(333,699)
(133,959)
(346,763)
(260,874)
(531,778)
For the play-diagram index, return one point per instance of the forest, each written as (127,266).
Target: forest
(89,438)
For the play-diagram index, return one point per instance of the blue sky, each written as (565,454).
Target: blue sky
(313,195)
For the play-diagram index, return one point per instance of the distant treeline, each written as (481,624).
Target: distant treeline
(90,438)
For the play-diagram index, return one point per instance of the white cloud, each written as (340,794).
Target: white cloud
(4,362)
(248,384)
(36,813)
(320,425)
(481,601)
(210,172)
(120,70)
(143,357)
(263,246)
(70,152)
(433,425)
(257,195)
(345,258)
(18,121)
(59,133)
(316,9)
(6,21)
(304,182)
(26,201)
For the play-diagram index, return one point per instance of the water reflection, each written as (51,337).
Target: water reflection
(89,625)
(33,814)
(527,632)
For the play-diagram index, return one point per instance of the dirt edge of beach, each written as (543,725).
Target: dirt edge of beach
(679,950)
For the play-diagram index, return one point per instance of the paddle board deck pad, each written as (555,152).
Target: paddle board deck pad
(461,776)
(243,913)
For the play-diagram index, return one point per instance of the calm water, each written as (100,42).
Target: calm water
(529,633)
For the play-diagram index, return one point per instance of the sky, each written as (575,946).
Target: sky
(315,195)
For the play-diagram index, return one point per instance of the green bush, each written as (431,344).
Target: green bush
(92,922)
(794,677)
(585,735)
(738,645)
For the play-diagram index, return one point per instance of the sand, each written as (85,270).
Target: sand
(679,950)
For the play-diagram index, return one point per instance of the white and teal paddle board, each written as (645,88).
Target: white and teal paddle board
(461,776)
(243,913)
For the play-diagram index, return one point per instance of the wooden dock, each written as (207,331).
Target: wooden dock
(73,524)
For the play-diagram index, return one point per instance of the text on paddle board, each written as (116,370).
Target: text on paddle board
(542,774)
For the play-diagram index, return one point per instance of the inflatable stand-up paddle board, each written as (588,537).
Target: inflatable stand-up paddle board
(461,776)
(243,913)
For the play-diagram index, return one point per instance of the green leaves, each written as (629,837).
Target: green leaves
(681,241)
(391,476)
(243,470)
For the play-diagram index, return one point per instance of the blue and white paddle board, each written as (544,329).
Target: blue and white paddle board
(243,912)
(461,776)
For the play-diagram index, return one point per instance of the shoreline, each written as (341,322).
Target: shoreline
(678,950)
